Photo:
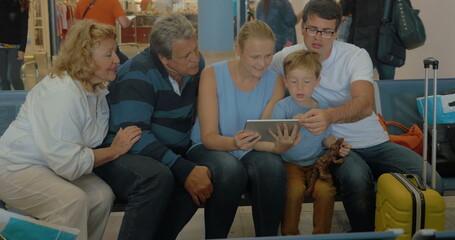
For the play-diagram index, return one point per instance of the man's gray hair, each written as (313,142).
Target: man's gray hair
(166,30)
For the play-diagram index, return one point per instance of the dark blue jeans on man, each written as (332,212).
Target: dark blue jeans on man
(355,178)
(261,173)
(10,69)
(385,72)
(155,207)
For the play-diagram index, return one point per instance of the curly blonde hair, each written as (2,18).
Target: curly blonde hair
(75,57)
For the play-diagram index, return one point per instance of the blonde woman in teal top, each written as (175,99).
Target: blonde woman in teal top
(231,92)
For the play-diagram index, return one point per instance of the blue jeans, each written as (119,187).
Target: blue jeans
(156,209)
(355,178)
(385,71)
(261,173)
(10,69)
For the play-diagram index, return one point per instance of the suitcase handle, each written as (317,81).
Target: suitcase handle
(418,180)
(426,63)
(431,61)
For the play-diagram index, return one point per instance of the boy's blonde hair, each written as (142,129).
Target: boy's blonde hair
(302,59)
(255,28)
(75,57)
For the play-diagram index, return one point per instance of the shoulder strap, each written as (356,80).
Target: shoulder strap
(88,8)
(386,11)
(385,123)
(398,125)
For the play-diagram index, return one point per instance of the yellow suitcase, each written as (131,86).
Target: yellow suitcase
(403,201)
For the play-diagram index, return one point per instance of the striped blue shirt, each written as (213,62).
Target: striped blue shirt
(143,95)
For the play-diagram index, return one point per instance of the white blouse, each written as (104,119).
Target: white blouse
(57,126)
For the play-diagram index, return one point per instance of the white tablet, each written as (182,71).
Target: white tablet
(263,126)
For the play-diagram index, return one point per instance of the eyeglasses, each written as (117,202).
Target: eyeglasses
(312,31)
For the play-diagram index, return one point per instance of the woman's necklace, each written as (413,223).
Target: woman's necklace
(237,71)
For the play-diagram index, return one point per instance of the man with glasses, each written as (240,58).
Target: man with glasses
(347,87)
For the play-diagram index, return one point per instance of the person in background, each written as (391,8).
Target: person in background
(301,71)
(162,6)
(251,11)
(48,153)
(156,90)
(280,16)
(364,30)
(346,85)
(13,40)
(230,93)
(104,11)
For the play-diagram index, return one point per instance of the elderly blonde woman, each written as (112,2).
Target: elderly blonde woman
(48,153)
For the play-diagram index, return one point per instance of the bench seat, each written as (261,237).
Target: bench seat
(395,100)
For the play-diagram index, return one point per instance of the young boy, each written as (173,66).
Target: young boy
(300,152)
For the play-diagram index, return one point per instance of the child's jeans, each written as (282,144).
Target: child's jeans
(323,200)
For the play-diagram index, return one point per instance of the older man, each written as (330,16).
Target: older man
(347,86)
(156,90)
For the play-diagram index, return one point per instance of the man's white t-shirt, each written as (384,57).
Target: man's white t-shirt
(346,64)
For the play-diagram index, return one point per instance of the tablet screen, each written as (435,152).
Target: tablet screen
(263,126)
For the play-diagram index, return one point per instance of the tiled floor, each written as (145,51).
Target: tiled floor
(243,222)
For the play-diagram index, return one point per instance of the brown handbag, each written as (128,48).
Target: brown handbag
(411,138)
